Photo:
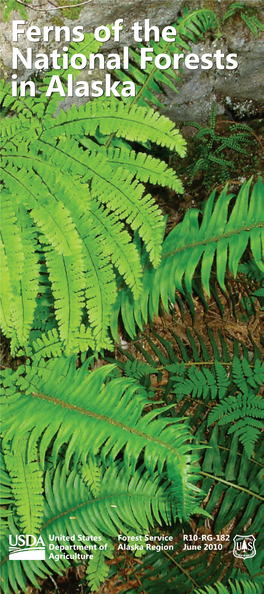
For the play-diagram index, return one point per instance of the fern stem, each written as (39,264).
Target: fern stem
(238,453)
(87,502)
(217,478)
(251,131)
(181,569)
(92,415)
(213,239)
(189,363)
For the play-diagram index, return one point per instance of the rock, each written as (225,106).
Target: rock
(240,91)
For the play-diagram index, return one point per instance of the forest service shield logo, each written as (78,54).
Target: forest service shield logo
(244,546)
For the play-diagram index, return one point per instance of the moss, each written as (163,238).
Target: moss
(57,21)
(70,13)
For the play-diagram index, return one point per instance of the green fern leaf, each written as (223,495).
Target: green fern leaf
(47,212)
(88,46)
(243,412)
(126,502)
(66,275)
(190,27)
(232,9)
(144,167)
(131,122)
(97,570)
(108,417)
(199,383)
(189,245)
(20,272)
(222,379)
(234,587)
(98,276)
(47,345)
(91,473)
(124,254)
(26,483)
(253,23)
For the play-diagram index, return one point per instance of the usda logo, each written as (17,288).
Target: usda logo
(26,547)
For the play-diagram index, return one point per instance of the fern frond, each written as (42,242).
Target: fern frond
(252,271)
(138,369)
(234,7)
(47,345)
(220,236)
(244,413)
(20,272)
(247,14)
(245,377)
(96,250)
(88,46)
(47,212)
(234,587)
(238,479)
(117,190)
(91,473)
(126,121)
(14,5)
(6,295)
(145,167)
(124,254)
(126,501)
(108,415)
(26,483)
(48,174)
(27,106)
(66,275)
(97,570)
(260,294)
(199,383)
(253,23)
(190,27)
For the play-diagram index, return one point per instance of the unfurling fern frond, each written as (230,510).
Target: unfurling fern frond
(27,485)
(107,415)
